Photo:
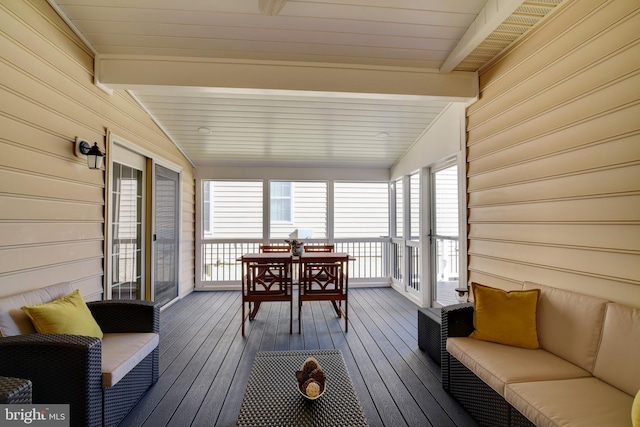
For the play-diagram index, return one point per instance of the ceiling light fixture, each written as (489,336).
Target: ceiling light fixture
(204,130)
(382,135)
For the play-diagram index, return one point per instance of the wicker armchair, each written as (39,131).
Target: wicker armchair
(68,368)
(480,400)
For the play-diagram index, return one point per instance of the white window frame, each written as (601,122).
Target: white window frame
(207,182)
(460,161)
(290,198)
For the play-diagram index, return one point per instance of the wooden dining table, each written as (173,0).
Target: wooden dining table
(296,259)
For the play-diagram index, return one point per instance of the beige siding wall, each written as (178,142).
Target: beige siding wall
(554,157)
(51,204)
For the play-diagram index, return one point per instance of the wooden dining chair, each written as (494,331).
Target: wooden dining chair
(324,278)
(319,248)
(266,279)
(275,248)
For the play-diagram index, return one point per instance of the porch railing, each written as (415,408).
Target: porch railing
(413,248)
(409,250)
(220,258)
(446,269)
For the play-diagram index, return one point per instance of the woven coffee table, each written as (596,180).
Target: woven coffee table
(15,390)
(272,398)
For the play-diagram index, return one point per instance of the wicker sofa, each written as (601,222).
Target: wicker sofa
(101,379)
(586,372)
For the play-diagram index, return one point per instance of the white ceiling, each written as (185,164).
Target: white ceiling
(319,83)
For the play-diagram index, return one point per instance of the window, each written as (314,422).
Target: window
(305,203)
(445,242)
(281,202)
(414,203)
(446,203)
(399,209)
(127,261)
(361,209)
(232,209)
(206,207)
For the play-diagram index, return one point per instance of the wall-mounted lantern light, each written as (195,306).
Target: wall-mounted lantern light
(94,156)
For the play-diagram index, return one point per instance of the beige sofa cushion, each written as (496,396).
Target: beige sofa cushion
(14,321)
(498,364)
(584,402)
(569,324)
(618,361)
(122,352)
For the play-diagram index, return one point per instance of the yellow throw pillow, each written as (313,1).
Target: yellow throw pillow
(68,315)
(505,317)
(635,411)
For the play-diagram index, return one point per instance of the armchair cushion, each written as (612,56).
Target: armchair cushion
(505,317)
(68,315)
(14,321)
(122,352)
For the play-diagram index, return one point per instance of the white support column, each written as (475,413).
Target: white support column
(266,211)
(425,237)
(330,212)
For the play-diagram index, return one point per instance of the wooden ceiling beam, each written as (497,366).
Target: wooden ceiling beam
(129,72)
(490,17)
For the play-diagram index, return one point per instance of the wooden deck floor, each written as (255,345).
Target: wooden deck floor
(205,362)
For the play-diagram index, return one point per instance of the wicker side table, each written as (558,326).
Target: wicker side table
(15,390)
(429,323)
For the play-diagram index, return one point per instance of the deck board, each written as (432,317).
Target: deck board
(205,362)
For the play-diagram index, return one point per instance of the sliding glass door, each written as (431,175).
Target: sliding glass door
(166,216)
(143,224)
(127,232)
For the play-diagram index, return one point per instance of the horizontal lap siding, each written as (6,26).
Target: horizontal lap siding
(553,151)
(51,204)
